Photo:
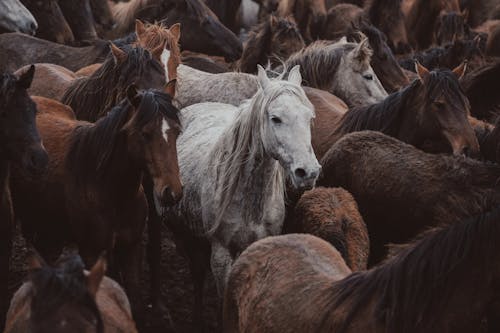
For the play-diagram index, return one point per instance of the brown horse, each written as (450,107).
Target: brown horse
(50,80)
(201,29)
(52,24)
(20,146)
(299,283)
(450,27)
(226,11)
(310,16)
(102,15)
(493,42)
(92,192)
(332,214)
(79,15)
(67,298)
(340,19)
(401,190)
(92,97)
(422,20)
(17,50)
(431,109)
(273,40)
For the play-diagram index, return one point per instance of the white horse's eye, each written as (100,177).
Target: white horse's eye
(276,120)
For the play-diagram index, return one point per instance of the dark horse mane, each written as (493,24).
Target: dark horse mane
(93,145)
(92,97)
(407,301)
(386,116)
(58,286)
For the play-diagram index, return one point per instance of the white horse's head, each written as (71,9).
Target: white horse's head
(286,127)
(15,17)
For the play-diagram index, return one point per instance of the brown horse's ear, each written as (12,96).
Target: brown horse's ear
(94,278)
(133,95)
(465,15)
(118,54)
(140,29)
(35,261)
(175,30)
(459,71)
(170,87)
(26,77)
(422,72)
(273,20)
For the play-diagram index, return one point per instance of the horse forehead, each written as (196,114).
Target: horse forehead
(291,104)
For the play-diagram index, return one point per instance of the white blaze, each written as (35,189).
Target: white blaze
(164,60)
(164,129)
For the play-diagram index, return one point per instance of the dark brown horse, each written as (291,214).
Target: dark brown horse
(79,15)
(401,190)
(201,29)
(450,27)
(310,16)
(444,282)
(92,194)
(226,11)
(20,146)
(480,88)
(431,109)
(17,50)
(273,40)
(67,298)
(92,97)
(52,24)
(102,15)
(422,20)
(332,214)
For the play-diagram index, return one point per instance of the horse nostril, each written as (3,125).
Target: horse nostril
(299,172)
(166,194)
(33,27)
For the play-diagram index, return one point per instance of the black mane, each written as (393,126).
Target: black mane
(411,288)
(65,284)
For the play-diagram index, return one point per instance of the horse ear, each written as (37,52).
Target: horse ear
(140,29)
(175,30)
(422,72)
(342,40)
(133,95)
(35,261)
(294,76)
(465,15)
(262,77)
(459,71)
(94,278)
(363,52)
(26,78)
(118,54)
(273,20)
(170,87)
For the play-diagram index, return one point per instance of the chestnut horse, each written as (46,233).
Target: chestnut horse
(310,15)
(52,24)
(92,192)
(201,29)
(299,283)
(431,109)
(92,97)
(272,41)
(332,214)
(401,190)
(67,298)
(20,146)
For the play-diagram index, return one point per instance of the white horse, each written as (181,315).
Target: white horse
(15,17)
(233,164)
(341,68)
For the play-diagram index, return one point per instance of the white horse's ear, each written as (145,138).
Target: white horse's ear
(343,40)
(262,76)
(294,76)
(363,52)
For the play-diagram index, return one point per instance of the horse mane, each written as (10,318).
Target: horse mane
(411,288)
(384,116)
(320,61)
(92,97)
(243,142)
(54,287)
(93,145)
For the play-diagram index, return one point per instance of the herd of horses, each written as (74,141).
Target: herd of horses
(332,164)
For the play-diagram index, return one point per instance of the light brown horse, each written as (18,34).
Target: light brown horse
(310,15)
(67,298)
(92,193)
(300,283)
(332,214)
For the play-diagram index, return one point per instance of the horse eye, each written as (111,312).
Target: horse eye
(439,105)
(276,120)
(368,77)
